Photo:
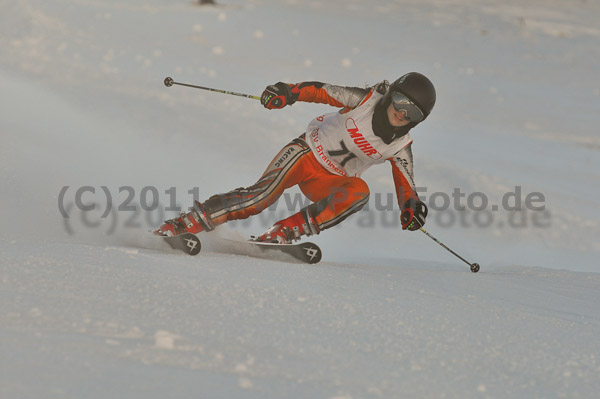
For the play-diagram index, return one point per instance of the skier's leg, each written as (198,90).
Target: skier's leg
(335,198)
(284,171)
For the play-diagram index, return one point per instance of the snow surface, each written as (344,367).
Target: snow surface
(92,307)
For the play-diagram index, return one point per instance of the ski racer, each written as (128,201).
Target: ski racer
(326,161)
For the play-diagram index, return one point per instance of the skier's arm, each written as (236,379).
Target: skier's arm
(281,94)
(402,171)
(414,211)
(325,93)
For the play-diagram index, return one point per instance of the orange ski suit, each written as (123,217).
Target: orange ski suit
(334,197)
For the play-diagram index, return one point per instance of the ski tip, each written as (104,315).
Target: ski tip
(186,242)
(312,252)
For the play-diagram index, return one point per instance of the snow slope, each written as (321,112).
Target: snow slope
(122,322)
(92,308)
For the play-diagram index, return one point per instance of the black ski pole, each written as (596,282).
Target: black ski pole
(474,266)
(169,82)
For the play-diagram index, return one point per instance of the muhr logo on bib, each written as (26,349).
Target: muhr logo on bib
(360,141)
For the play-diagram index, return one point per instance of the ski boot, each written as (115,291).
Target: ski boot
(291,229)
(194,222)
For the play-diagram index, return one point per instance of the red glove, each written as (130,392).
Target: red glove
(413,214)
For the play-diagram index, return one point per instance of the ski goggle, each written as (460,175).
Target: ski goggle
(402,103)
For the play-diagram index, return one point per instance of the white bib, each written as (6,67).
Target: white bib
(345,143)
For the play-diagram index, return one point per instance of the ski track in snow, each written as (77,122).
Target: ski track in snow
(92,307)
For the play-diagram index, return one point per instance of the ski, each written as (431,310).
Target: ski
(306,252)
(186,242)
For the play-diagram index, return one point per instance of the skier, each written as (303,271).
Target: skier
(327,160)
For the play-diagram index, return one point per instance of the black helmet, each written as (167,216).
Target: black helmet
(417,88)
